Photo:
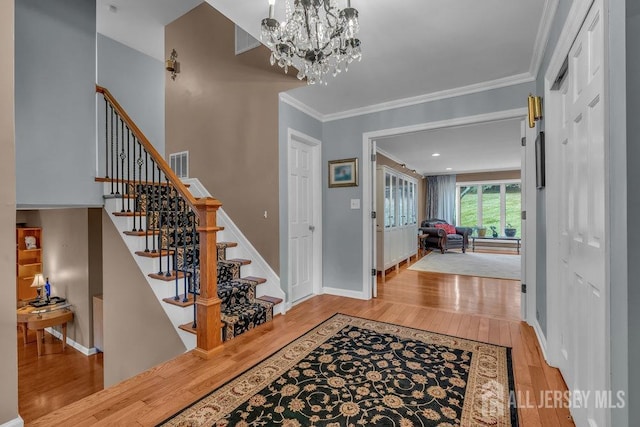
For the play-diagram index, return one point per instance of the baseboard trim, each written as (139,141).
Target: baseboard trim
(82,349)
(16,422)
(541,339)
(343,293)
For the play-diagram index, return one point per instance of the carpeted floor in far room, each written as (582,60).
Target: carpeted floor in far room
(355,371)
(492,265)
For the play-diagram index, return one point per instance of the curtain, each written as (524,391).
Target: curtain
(441,197)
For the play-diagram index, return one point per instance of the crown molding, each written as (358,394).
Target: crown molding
(542,38)
(288,99)
(406,102)
(400,162)
(435,96)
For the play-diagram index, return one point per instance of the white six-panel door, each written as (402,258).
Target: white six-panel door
(582,197)
(301,227)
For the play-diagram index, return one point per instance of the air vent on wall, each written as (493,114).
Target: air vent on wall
(244,41)
(180,163)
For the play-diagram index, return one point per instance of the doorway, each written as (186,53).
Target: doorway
(369,185)
(304,217)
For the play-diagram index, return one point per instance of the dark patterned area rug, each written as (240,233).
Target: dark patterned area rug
(350,371)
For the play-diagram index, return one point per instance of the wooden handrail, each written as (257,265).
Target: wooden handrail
(160,161)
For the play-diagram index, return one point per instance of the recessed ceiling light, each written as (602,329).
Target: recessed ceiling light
(435,154)
(448,169)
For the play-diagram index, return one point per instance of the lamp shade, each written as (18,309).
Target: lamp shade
(38,281)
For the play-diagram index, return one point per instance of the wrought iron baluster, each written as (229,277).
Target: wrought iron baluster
(172,214)
(112,176)
(106,137)
(146,200)
(195,280)
(134,186)
(154,192)
(129,170)
(185,219)
(117,153)
(161,200)
(138,187)
(122,156)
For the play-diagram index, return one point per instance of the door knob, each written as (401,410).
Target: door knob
(312,228)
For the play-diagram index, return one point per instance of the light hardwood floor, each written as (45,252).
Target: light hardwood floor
(469,307)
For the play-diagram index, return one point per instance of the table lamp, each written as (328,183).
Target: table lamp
(38,282)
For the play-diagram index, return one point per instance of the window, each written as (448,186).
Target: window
(489,204)
(467,203)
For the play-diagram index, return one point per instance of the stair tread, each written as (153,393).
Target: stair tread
(156,254)
(273,300)
(119,196)
(165,278)
(189,328)
(180,303)
(258,280)
(241,309)
(132,213)
(142,233)
(237,260)
(226,244)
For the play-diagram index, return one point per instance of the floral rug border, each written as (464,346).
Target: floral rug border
(491,362)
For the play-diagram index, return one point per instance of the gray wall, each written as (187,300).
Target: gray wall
(290,117)
(541,203)
(137,333)
(8,354)
(55,57)
(136,80)
(342,227)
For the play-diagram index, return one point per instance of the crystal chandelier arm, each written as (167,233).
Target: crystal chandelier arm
(328,10)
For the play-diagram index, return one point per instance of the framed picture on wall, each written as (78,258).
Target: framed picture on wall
(343,173)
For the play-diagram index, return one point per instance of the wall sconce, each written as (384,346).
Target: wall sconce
(535,109)
(172,64)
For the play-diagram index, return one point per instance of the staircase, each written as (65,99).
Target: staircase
(172,236)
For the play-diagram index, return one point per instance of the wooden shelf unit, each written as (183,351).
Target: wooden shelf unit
(28,262)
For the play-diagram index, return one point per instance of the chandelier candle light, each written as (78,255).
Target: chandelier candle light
(316,38)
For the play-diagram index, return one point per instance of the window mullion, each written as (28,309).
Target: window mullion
(503,207)
(479,191)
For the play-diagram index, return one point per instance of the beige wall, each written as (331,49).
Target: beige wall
(488,176)
(422,183)
(8,354)
(137,333)
(68,242)
(223,108)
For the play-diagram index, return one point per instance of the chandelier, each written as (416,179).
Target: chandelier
(316,38)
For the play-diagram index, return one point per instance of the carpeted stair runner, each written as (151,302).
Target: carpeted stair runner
(240,309)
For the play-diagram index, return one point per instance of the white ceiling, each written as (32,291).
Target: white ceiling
(140,24)
(412,50)
(473,148)
(418,47)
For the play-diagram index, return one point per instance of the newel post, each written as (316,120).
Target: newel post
(208,315)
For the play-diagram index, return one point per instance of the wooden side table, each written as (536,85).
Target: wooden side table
(38,319)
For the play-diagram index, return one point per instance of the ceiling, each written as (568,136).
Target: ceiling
(140,24)
(473,148)
(417,47)
(413,50)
